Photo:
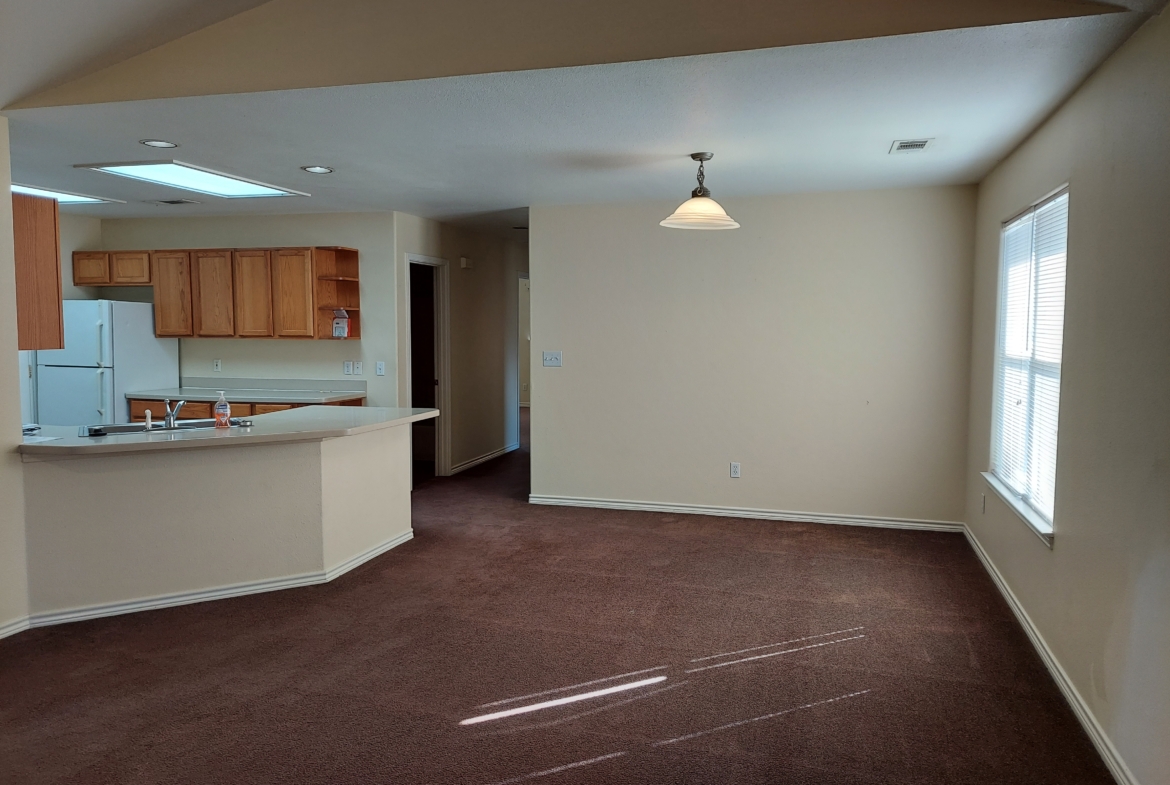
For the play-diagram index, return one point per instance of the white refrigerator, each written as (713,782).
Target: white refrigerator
(110,349)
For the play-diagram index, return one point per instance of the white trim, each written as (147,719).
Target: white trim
(442,355)
(485,458)
(14,626)
(220,593)
(525,404)
(1109,754)
(750,512)
(372,553)
(1040,527)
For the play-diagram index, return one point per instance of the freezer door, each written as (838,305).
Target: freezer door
(74,396)
(87,336)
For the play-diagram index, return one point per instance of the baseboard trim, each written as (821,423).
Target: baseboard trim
(484,458)
(524,405)
(219,593)
(1109,754)
(13,627)
(750,512)
(372,553)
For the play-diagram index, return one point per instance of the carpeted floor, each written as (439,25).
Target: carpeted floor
(724,651)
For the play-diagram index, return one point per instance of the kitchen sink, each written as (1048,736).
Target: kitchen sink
(139,427)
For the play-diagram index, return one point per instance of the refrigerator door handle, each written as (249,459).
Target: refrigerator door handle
(101,379)
(101,354)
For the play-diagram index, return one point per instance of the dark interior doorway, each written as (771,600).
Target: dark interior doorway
(423,377)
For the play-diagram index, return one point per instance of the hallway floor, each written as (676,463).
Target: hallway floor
(513,643)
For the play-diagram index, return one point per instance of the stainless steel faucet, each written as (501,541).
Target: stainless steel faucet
(172,414)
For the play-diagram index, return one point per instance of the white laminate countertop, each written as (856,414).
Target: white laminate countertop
(310,423)
(208,394)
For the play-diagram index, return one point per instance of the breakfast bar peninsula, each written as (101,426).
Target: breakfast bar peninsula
(133,521)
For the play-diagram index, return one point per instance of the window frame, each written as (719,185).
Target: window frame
(1036,520)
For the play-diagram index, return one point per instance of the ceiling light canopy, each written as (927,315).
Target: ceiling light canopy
(318,169)
(163,143)
(177,174)
(60,196)
(700,211)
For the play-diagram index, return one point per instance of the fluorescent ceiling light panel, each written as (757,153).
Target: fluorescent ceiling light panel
(60,196)
(177,174)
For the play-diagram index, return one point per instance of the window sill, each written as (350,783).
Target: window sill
(1040,527)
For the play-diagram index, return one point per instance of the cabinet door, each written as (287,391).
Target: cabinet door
(171,271)
(39,323)
(253,293)
(212,298)
(268,408)
(91,268)
(292,292)
(128,268)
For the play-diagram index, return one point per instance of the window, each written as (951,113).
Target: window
(1027,363)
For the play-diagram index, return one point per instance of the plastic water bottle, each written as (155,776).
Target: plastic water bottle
(223,412)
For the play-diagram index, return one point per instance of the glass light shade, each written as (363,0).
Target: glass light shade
(700,212)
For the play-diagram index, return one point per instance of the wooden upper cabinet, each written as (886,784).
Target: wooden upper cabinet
(129,268)
(171,272)
(212,295)
(253,271)
(293,313)
(36,243)
(91,268)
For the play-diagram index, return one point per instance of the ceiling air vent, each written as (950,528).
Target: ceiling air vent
(173,201)
(910,145)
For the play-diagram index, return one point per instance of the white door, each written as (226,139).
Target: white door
(74,396)
(87,336)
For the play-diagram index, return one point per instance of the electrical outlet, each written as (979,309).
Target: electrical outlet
(380,368)
(524,387)
(357,367)
(347,367)
(735,470)
(216,366)
(552,359)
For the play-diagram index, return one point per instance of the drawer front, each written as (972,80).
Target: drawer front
(266,408)
(241,409)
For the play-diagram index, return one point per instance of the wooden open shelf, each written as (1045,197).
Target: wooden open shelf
(338,284)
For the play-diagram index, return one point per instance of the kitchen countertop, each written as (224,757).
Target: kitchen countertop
(211,395)
(310,423)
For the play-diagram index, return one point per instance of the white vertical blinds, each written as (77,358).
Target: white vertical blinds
(1031,332)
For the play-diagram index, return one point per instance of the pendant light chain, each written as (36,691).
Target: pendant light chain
(702,189)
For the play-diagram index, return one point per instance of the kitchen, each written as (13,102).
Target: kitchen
(299,397)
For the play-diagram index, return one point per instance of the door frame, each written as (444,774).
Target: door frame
(523,276)
(442,355)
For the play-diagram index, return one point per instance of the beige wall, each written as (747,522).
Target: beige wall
(824,346)
(371,233)
(484,317)
(1101,596)
(13,572)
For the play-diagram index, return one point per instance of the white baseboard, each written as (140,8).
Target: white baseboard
(1088,721)
(524,405)
(13,627)
(750,512)
(219,593)
(484,458)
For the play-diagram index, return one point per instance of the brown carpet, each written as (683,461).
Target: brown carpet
(765,652)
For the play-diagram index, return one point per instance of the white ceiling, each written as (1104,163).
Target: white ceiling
(805,118)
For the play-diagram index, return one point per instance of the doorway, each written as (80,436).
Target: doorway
(424,377)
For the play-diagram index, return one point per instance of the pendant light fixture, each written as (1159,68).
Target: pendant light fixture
(700,211)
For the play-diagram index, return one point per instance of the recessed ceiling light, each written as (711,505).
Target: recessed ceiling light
(60,196)
(317,169)
(157,143)
(191,178)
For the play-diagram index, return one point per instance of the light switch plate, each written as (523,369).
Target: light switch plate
(357,367)
(552,359)
(347,367)
(216,366)
(380,368)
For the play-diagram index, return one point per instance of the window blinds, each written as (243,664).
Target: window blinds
(1030,335)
